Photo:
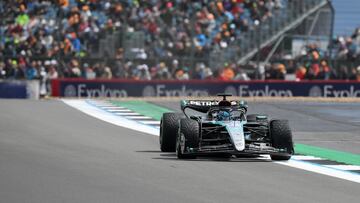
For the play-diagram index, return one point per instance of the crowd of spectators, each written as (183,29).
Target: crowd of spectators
(346,52)
(348,48)
(71,27)
(313,64)
(24,68)
(55,28)
(49,39)
(204,25)
(341,62)
(35,29)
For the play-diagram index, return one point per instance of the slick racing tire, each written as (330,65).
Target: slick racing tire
(281,138)
(169,126)
(188,137)
(252,118)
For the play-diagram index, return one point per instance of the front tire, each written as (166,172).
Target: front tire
(169,126)
(281,138)
(188,137)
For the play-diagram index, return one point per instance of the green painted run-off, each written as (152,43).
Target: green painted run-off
(334,155)
(155,111)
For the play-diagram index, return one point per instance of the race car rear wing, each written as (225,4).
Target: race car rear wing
(203,106)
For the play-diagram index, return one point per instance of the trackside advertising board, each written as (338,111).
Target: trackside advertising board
(129,88)
(19,89)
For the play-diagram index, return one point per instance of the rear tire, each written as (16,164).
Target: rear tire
(281,137)
(188,137)
(253,118)
(169,126)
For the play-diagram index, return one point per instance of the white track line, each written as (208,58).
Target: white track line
(113,107)
(150,122)
(100,114)
(305,158)
(103,105)
(344,167)
(118,110)
(322,170)
(137,126)
(138,117)
(127,114)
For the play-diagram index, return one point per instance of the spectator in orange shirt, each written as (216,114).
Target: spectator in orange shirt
(64,3)
(227,73)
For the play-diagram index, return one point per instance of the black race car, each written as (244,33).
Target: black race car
(223,128)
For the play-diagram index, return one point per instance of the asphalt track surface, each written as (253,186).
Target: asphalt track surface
(50,152)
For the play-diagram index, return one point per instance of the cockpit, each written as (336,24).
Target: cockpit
(226,114)
(223,115)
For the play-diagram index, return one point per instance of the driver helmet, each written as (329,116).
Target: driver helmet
(223,115)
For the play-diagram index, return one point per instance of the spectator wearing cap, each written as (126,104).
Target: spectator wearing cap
(47,63)
(142,72)
(52,72)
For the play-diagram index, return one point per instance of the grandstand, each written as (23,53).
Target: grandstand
(184,39)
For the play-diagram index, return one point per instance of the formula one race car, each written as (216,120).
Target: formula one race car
(224,128)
